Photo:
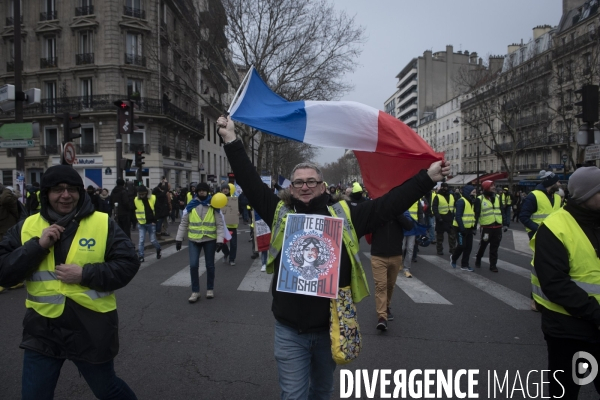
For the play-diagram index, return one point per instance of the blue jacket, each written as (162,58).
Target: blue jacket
(529,207)
(460,206)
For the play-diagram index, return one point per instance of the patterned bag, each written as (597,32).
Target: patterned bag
(344,331)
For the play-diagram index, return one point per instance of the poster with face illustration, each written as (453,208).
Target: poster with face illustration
(310,255)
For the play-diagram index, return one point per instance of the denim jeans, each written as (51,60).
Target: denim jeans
(431,230)
(159,223)
(304,363)
(152,232)
(264,256)
(40,375)
(506,212)
(209,259)
(230,250)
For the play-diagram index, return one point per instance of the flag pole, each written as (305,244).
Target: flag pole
(240,88)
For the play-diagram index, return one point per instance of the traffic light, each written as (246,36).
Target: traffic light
(124,116)
(70,123)
(588,103)
(139,158)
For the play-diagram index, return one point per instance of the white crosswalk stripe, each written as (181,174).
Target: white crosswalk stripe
(183,279)
(417,290)
(521,240)
(506,266)
(151,258)
(256,281)
(502,293)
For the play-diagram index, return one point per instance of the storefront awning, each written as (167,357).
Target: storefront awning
(494,176)
(462,179)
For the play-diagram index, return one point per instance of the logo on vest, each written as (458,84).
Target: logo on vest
(87,243)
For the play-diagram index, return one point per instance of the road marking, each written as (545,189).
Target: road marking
(256,281)
(521,240)
(183,279)
(151,259)
(417,290)
(506,266)
(502,293)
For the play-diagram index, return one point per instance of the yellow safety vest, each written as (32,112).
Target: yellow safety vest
(414,211)
(140,211)
(37,194)
(443,206)
(468,216)
(490,212)
(358,280)
(583,260)
(199,228)
(544,208)
(45,293)
(506,200)
(189,197)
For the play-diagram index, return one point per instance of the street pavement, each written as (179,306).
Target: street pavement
(222,348)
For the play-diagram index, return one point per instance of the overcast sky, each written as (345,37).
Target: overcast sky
(399,30)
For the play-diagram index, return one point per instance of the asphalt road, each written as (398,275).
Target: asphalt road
(223,348)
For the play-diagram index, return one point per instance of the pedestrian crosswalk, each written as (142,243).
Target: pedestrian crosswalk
(183,279)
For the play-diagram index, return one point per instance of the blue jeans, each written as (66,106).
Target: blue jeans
(264,256)
(159,223)
(506,214)
(152,232)
(431,230)
(40,375)
(209,259)
(304,363)
(230,250)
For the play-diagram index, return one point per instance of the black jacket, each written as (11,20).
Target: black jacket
(308,313)
(387,239)
(551,263)
(79,333)
(161,206)
(443,221)
(119,195)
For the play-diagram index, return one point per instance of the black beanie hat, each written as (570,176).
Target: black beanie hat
(142,189)
(203,186)
(61,174)
(120,182)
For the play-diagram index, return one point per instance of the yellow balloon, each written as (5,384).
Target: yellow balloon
(219,200)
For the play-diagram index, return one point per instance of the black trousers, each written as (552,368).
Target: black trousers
(464,245)
(124,223)
(560,357)
(494,237)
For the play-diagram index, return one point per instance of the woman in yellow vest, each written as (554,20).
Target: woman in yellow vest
(144,213)
(566,286)
(204,227)
(464,222)
(491,219)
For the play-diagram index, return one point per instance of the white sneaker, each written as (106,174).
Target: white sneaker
(194,297)
(232,263)
(263,268)
(210,294)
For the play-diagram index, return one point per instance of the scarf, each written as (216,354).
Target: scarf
(62,220)
(196,202)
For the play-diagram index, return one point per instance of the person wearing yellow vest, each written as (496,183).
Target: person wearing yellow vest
(144,212)
(72,259)
(491,219)
(32,201)
(229,252)
(191,194)
(357,195)
(540,203)
(566,284)
(302,343)
(464,223)
(507,202)
(204,227)
(443,210)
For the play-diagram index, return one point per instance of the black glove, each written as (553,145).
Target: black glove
(219,247)
(178,245)
(505,229)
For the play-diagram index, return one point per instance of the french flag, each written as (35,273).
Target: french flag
(388,151)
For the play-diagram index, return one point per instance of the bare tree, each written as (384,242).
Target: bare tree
(345,169)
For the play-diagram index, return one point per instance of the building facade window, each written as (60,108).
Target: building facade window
(134,49)
(86,92)
(134,87)
(86,48)
(50,93)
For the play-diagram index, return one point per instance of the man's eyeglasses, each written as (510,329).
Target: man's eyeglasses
(61,189)
(311,183)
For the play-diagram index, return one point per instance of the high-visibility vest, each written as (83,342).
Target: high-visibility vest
(189,197)
(414,211)
(506,200)
(468,217)
(37,194)
(358,282)
(443,206)
(200,228)
(544,208)
(140,211)
(490,212)
(45,293)
(583,260)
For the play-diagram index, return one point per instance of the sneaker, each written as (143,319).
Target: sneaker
(194,297)
(389,314)
(141,258)
(225,259)
(210,294)
(382,324)
(232,263)
(254,256)
(414,260)
(407,274)
(467,268)
(158,256)
(433,242)
(165,234)
(440,253)
(493,269)
(452,263)
(478,263)
(263,268)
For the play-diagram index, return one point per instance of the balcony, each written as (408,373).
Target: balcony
(134,59)
(188,156)
(48,15)
(10,21)
(134,12)
(166,151)
(49,149)
(48,62)
(133,147)
(177,153)
(86,148)
(85,58)
(10,66)
(81,11)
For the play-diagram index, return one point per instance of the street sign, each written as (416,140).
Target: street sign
(7,93)
(565,158)
(21,130)
(69,153)
(556,166)
(16,144)
(592,152)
